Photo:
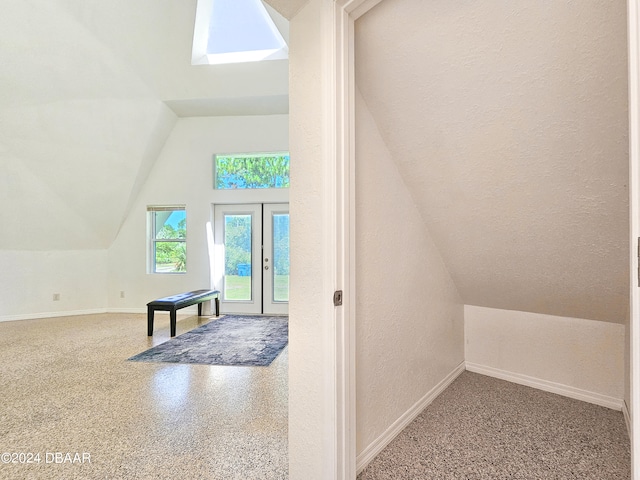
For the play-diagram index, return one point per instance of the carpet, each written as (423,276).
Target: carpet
(239,340)
(483,428)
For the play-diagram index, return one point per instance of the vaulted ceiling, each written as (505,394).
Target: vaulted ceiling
(90,92)
(508,121)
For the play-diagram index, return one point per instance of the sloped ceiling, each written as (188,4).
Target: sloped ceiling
(86,98)
(286,8)
(508,122)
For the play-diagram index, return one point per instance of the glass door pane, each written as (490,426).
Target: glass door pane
(275,264)
(238,257)
(281,257)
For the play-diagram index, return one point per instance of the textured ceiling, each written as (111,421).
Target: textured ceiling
(508,122)
(89,93)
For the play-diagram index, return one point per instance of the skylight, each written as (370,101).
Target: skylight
(233,31)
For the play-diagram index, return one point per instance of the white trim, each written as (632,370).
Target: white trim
(253,305)
(547,386)
(201,32)
(271,306)
(36,316)
(340,161)
(251,56)
(338,135)
(633,40)
(627,417)
(341,157)
(374,448)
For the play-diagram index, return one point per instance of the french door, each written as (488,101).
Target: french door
(252,257)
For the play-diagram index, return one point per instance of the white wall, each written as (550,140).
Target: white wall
(182,174)
(580,358)
(409,314)
(311,452)
(31,278)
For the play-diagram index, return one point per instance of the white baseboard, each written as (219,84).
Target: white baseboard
(369,453)
(547,386)
(34,316)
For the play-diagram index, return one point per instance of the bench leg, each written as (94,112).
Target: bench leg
(173,322)
(150,312)
(217,306)
(200,309)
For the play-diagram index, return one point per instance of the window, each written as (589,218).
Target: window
(234,31)
(168,239)
(263,170)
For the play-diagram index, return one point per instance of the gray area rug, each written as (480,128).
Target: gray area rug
(484,428)
(239,340)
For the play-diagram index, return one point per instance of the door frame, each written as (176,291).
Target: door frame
(254,305)
(633,49)
(340,160)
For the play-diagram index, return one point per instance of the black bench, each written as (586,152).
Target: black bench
(176,302)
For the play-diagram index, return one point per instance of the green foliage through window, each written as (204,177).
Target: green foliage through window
(169,239)
(281,244)
(251,171)
(237,241)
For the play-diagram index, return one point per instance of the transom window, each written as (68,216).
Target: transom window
(168,239)
(263,170)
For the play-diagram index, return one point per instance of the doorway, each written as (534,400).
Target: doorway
(252,257)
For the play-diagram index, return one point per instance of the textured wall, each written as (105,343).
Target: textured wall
(508,122)
(409,314)
(310,322)
(577,353)
(30,279)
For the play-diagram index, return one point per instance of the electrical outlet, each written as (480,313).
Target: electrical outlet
(56,297)
(121,293)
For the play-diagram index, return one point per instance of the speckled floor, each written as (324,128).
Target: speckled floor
(74,407)
(485,428)
(66,388)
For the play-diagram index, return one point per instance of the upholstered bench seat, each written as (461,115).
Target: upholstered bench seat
(176,302)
